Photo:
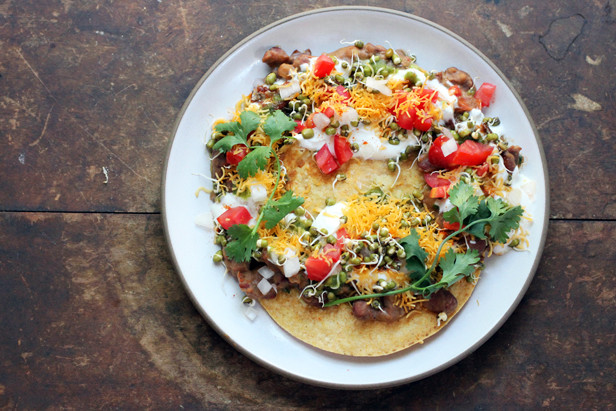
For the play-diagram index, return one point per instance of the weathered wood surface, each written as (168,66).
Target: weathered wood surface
(93,313)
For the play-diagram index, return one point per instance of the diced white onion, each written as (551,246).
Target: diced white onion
(379,85)
(264,286)
(291,266)
(205,220)
(320,121)
(289,90)
(266,272)
(348,116)
(250,313)
(449,147)
(258,193)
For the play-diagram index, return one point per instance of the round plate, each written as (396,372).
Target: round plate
(217,296)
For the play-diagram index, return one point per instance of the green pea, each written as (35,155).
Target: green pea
(339,78)
(271,78)
(401,253)
(307,133)
(391,165)
(383,232)
(396,60)
(359,44)
(341,177)
(355,261)
(273,87)
(492,137)
(210,144)
(514,243)
(300,211)
(217,256)
(394,126)
(415,221)
(389,53)
(394,141)
(354,123)
(344,219)
(411,77)
(418,194)
(375,226)
(297,116)
(330,131)
(404,224)
(334,123)
(368,70)
(331,239)
(355,147)
(330,201)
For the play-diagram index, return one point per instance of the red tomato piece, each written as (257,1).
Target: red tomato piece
(343,92)
(342,148)
(435,180)
(472,153)
(317,268)
(325,160)
(455,91)
(237,154)
(329,112)
(299,127)
(435,155)
(233,216)
(323,66)
(406,120)
(439,192)
(422,124)
(485,93)
(451,226)
(309,123)
(481,171)
(331,252)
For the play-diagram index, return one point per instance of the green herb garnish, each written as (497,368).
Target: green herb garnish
(243,238)
(487,218)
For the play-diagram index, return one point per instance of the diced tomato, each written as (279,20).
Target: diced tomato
(329,112)
(331,252)
(472,153)
(342,148)
(433,94)
(300,127)
(309,123)
(317,268)
(422,124)
(323,66)
(325,160)
(435,180)
(435,155)
(343,92)
(451,226)
(237,154)
(233,216)
(455,91)
(483,169)
(406,120)
(439,192)
(485,93)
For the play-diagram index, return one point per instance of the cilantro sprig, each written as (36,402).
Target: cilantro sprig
(489,218)
(244,238)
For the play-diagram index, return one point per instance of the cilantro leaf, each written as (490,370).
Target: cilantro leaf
(249,121)
(276,210)
(482,216)
(243,244)
(415,255)
(276,124)
(503,222)
(463,197)
(455,266)
(254,161)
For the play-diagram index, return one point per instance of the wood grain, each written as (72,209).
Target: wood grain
(93,313)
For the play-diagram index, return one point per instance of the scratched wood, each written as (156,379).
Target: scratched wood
(92,309)
(87,85)
(93,313)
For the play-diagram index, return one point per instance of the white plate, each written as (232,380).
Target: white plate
(503,282)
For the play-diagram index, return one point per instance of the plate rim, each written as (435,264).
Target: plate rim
(348,386)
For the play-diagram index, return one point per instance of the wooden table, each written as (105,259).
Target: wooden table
(93,312)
